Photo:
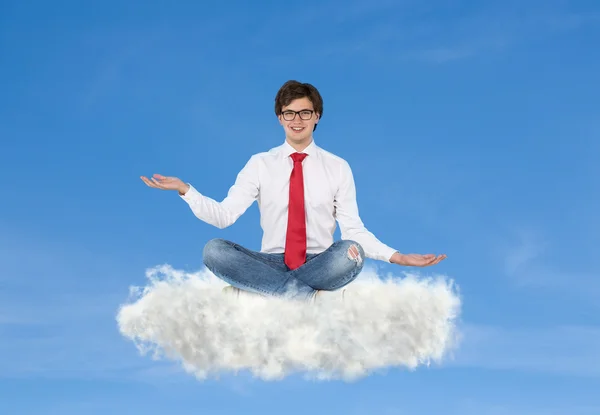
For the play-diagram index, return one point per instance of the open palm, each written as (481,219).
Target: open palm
(162,182)
(418,260)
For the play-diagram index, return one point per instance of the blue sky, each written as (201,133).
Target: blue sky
(472,129)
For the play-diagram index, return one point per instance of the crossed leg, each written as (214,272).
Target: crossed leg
(333,268)
(253,271)
(267,274)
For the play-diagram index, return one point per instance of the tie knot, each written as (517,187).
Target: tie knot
(298,157)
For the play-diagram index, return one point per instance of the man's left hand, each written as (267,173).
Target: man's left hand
(416,260)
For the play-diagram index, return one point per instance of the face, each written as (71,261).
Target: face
(298,130)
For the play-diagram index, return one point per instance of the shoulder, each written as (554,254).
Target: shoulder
(264,156)
(333,159)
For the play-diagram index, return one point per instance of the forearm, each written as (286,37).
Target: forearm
(373,247)
(206,209)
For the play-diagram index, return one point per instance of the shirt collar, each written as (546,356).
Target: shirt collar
(288,150)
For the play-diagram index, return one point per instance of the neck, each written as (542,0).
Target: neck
(299,146)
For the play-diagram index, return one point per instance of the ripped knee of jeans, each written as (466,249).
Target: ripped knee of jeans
(354,254)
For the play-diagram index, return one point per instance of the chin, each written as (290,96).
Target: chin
(299,138)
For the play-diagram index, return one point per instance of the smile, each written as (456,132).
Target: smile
(297,128)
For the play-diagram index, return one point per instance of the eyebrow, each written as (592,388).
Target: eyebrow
(303,109)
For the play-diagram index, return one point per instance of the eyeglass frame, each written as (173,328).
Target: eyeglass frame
(297,113)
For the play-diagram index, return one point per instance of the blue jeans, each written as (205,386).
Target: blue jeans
(267,274)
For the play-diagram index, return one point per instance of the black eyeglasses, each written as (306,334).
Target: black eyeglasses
(290,115)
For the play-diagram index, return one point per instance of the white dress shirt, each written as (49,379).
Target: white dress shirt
(329,193)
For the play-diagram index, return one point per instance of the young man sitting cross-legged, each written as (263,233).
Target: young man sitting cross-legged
(301,190)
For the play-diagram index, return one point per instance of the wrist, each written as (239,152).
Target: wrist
(397,258)
(184,189)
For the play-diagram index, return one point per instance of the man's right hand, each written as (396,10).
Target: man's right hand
(166,183)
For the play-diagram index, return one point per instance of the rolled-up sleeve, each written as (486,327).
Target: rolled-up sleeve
(351,225)
(240,197)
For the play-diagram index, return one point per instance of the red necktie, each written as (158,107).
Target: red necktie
(295,240)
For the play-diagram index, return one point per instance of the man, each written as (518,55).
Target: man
(301,190)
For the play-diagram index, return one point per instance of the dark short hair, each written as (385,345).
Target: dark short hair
(292,90)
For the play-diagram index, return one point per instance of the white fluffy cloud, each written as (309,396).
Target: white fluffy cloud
(382,323)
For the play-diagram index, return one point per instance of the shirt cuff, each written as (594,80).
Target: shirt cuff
(190,195)
(387,254)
